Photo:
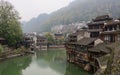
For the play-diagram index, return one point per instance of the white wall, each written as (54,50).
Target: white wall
(98,41)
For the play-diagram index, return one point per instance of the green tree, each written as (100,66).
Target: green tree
(10,27)
(50,38)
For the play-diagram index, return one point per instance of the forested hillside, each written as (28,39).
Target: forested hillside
(77,11)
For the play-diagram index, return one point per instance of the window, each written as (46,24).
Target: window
(96,27)
(107,38)
(110,28)
(118,37)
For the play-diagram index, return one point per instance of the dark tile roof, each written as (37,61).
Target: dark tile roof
(73,34)
(100,48)
(103,17)
(58,34)
(110,32)
(41,37)
(96,23)
(81,32)
(109,23)
(86,41)
(94,30)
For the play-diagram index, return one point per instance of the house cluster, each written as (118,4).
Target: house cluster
(39,41)
(68,28)
(33,40)
(105,28)
(88,47)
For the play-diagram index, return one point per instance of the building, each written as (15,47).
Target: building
(82,33)
(41,42)
(77,48)
(100,54)
(89,48)
(3,41)
(78,35)
(59,36)
(28,42)
(57,28)
(72,37)
(95,27)
(106,28)
(70,28)
(30,39)
(111,31)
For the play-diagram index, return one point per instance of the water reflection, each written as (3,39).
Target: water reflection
(43,63)
(14,66)
(56,60)
(74,70)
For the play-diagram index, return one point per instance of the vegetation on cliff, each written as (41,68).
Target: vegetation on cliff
(77,11)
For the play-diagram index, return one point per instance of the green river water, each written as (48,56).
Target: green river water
(52,62)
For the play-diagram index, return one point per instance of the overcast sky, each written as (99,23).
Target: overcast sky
(32,8)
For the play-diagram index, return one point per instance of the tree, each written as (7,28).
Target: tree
(50,38)
(10,28)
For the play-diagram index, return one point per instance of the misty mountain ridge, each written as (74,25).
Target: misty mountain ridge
(76,11)
(34,24)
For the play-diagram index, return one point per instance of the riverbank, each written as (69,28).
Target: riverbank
(12,53)
(56,47)
(50,47)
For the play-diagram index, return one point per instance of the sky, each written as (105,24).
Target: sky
(32,8)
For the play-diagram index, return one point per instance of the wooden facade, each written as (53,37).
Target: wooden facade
(92,52)
(41,42)
(105,28)
(95,27)
(111,31)
(28,42)
(77,51)
(58,36)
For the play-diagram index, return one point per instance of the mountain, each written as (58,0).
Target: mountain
(76,11)
(34,24)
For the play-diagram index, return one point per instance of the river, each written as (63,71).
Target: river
(52,62)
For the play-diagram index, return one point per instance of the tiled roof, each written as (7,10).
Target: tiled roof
(103,17)
(100,48)
(94,30)
(86,41)
(41,37)
(97,23)
(73,34)
(58,34)
(112,23)
(111,32)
